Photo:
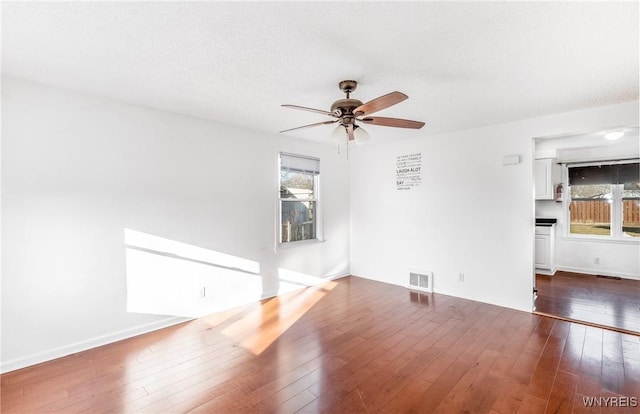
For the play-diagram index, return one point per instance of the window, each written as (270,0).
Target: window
(590,209)
(631,209)
(298,197)
(605,200)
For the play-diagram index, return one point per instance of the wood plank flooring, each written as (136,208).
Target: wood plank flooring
(350,346)
(605,301)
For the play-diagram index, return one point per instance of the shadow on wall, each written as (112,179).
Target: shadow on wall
(168,277)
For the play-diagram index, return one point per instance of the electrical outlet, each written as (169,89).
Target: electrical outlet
(596,260)
(461,277)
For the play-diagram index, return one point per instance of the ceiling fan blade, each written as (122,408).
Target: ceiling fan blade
(380,103)
(318,111)
(392,122)
(350,132)
(312,125)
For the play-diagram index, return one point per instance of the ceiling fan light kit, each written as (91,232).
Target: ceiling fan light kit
(346,112)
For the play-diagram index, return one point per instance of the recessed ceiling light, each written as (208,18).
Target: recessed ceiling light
(612,136)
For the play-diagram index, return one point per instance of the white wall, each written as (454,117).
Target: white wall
(470,215)
(78,171)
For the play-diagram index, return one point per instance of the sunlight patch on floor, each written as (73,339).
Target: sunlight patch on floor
(261,327)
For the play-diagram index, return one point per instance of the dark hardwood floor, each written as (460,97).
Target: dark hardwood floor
(349,346)
(598,300)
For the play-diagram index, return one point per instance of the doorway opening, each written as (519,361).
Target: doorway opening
(586,269)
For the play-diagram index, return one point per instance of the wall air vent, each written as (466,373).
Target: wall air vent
(421,280)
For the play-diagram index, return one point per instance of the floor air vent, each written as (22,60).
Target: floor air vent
(420,280)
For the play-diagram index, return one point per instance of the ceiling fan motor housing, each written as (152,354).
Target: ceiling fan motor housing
(344,108)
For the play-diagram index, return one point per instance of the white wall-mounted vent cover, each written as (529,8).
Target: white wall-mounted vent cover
(421,280)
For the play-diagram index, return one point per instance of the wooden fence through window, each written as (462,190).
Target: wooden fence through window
(597,211)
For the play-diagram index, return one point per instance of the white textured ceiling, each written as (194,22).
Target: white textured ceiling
(463,64)
(589,140)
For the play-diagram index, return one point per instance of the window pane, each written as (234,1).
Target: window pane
(590,209)
(296,185)
(298,220)
(631,209)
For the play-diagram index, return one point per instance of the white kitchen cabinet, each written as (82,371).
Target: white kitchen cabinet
(543,259)
(544,248)
(544,179)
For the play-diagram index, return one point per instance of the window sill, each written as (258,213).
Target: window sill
(298,244)
(630,240)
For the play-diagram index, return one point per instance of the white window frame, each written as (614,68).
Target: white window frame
(617,235)
(317,199)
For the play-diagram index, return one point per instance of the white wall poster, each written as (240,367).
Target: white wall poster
(408,171)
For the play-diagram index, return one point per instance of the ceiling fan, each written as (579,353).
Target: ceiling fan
(347,112)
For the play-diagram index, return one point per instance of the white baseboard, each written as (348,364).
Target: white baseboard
(274,293)
(598,272)
(80,346)
(457,294)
